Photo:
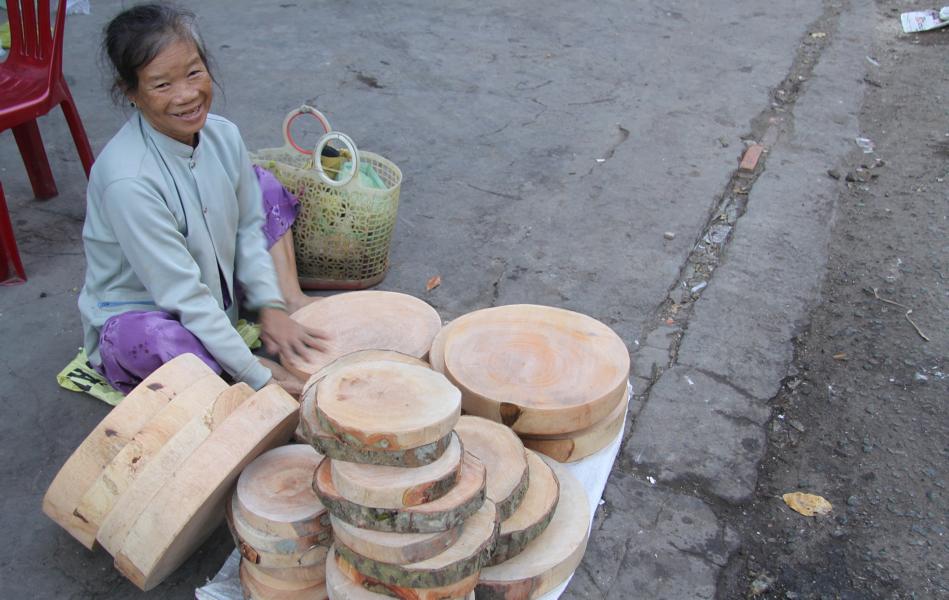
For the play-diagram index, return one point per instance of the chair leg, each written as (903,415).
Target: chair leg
(28,140)
(78,131)
(9,255)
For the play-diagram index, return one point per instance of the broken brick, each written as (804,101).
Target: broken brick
(749,162)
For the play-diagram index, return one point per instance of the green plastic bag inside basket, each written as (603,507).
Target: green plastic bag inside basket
(367,175)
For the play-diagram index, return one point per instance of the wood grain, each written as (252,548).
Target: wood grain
(397,487)
(292,578)
(577,445)
(397,548)
(503,456)
(255,589)
(184,512)
(447,512)
(538,369)
(366,320)
(163,466)
(109,437)
(344,582)
(384,405)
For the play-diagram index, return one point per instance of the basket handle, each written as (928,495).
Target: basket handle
(292,116)
(318,164)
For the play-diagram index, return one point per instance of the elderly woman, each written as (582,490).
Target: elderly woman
(176,220)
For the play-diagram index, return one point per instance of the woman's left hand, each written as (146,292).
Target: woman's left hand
(285,337)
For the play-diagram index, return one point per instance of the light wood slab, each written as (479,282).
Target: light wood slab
(503,456)
(255,589)
(462,559)
(577,445)
(534,513)
(386,405)
(274,494)
(397,548)
(287,579)
(447,512)
(119,474)
(366,320)
(110,436)
(397,487)
(163,466)
(186,510)
(538,369)
(344,582)
(547,561)
(274,551)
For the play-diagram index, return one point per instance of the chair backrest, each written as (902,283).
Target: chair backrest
(30,39)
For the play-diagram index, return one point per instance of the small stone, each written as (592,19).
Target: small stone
(669,235)
(761,584)
(853,501)
(920,378)
(833,173)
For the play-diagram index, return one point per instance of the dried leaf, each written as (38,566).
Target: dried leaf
(433,283)
(840,356)
(808,504)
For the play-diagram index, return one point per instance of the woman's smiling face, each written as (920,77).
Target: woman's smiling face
(174,91)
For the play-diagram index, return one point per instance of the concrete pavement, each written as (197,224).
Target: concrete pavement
(546,147)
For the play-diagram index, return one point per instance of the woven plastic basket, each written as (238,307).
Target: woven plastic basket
(343,231)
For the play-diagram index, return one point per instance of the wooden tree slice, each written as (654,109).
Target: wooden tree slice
(344,582)
(436,354)
(313,557)
(574,446)
(503,456)
(191,505)
(550,559)
(384,405)
(447,512)
(366,320)
(255,589)
(119,474)
(360,356)
(294,551)
(462,559)
(275,494)
(163,466)
(109,437)
(537,369)
(268,577)
(397,548)
(397,487)
(532,516)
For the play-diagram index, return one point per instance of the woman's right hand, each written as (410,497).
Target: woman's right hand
(287,338)
(292,384)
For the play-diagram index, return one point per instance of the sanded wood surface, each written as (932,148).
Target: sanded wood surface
(447,512)
(503,456)
(386,405)
(344,582)
(191,505)
(291,550)
(577,445)
(398,487)
(278,579)
(165,464)
(534,513)
(547,561)
(459,561)
(256,589)
(110,436)
(274,494)
(366,320)
(359,356)
(119,474)
(538,369)
(397,548)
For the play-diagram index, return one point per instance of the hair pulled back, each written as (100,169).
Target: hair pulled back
(134,37)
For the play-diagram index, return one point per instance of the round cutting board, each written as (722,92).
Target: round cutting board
(533,515)
(503,456)
(110,436)
(385,405)
(537,369)
(553,555)
(366,320)
(396,548)
(163,466)
(577,445)
(191,505)
(256,587)
(344,582)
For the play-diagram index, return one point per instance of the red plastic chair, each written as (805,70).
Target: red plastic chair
(32,84)
(11,269)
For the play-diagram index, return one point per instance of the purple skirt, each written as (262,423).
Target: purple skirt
(135,343)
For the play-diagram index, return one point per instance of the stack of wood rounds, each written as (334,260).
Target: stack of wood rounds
(408,506)
(556,377)
(150,482)
(366,320)
(280,527)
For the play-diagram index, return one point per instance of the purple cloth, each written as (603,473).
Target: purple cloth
(135,343)
(280,206)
